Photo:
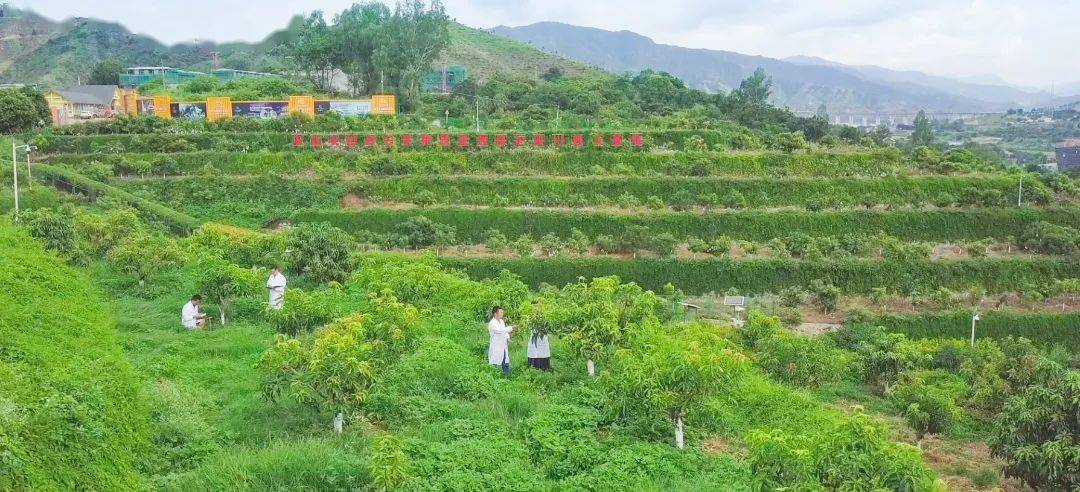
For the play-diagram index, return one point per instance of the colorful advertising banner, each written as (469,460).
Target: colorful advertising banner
(343,108)
(189,111)
(260,109)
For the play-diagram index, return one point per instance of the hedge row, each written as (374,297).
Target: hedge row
(67,179)
(1049,328)
(759,276)
(755,192)
(275,141)
(72,417)
(516,162)
(753,225)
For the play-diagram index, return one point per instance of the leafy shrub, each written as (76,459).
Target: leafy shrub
(145,255)
(1051,239)
(929,400)
(1036,429)
(337,368)
(319,251)
(304,312)
(856,455)
(801,361)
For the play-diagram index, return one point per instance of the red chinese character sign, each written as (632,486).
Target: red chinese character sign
(500,141)
(558,140)
(298,140)
(425,140)
(463,140)
(598,140)
(519,140)
(444,140)
(369,141)
(482,141)
(316,141)
(636,140)
(577,141)
(538,140)
(616,140)
(335,141)
(351,141)
(388,140)
(406,140)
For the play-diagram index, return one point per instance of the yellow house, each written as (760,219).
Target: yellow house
(84,101)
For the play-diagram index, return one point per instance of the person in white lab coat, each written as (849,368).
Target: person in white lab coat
(539,351)
(190,317)
(275,285)
(499,340)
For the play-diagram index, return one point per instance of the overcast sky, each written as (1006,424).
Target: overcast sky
(1030,42)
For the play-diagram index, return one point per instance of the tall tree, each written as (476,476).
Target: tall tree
(356,36)
(923,135)
(106,72)
(312,50)
(415,36)
(755,89)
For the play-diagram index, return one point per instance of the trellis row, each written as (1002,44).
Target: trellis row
(466,141)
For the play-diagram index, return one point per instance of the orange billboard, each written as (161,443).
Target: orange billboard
(302,105)
(218,108)
(383,104)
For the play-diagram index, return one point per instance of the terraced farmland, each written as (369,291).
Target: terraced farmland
(822,240)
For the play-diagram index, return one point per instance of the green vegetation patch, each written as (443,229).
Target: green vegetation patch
(759,276)
(71,415)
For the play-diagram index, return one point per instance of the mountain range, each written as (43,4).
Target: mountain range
(38,50)
(800,83)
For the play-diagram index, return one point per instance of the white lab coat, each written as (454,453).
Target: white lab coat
(189,316)
(498,342)
(276,286)
(539,346)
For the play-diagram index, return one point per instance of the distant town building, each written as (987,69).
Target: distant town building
(89,101)
(1068,155)
(135,76)
(228,74)
(443,80)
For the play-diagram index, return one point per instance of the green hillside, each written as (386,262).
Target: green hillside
(71,413)
(484,54)
(34,49)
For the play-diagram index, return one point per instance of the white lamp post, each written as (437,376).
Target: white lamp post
(974,318)
(15,170)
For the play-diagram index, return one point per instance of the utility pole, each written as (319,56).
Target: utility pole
(477,113)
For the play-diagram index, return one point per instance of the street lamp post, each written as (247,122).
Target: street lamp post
(974,318)
(15,177)
(15,171)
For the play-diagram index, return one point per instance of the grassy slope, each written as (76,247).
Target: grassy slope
(71,415)
(484,54)
(208,408)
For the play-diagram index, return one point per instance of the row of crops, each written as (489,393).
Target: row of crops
(517,162)
(249,141)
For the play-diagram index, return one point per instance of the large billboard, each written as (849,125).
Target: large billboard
(260,109)
(189,111)
(343,108)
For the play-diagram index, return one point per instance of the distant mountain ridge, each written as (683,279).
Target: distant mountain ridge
(37,50)
(801,83)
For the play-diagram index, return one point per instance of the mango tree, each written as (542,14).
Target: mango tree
(674,373)
(335,368)
(594,317)
(225,282)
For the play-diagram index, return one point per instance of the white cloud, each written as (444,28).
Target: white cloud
(1029,42)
